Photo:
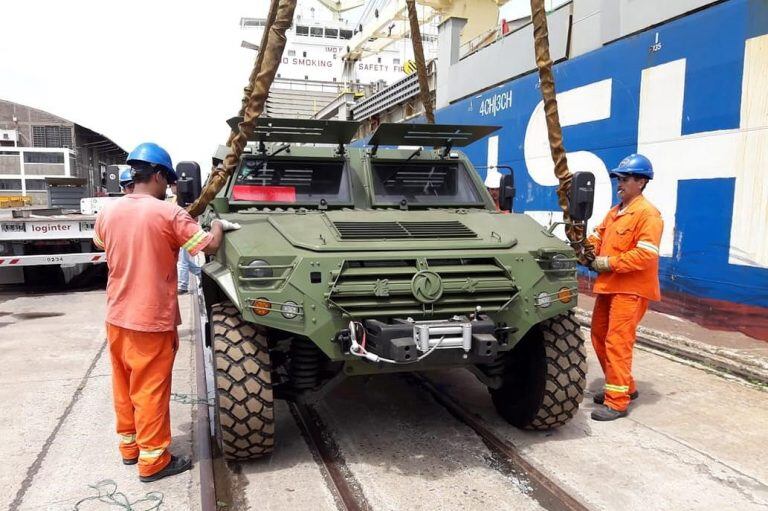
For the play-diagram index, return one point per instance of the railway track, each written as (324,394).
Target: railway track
(341,481)
(546,491)
(202,429)
(348,491)
(339,478)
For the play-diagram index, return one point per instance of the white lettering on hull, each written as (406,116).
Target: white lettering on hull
(581,105)
(739,153)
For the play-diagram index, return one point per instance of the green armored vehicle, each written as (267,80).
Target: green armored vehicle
(367,260)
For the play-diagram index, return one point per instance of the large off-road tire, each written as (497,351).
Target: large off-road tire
(244,400)
(544,376)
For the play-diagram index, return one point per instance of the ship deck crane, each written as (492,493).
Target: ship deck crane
(339,6)
(387,26)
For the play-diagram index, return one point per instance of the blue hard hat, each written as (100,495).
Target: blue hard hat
(154,155)
(126,178)
(634,165)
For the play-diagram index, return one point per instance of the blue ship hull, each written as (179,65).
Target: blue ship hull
(689,94)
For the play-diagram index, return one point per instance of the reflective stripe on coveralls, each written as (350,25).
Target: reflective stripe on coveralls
(194,240)
(150,454)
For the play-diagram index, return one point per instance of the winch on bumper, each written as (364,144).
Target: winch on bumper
(405,341)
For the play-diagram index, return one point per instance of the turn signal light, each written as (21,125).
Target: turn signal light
(565,295)
(261,306)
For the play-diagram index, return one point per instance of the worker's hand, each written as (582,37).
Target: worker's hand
(601,264)
(226,225)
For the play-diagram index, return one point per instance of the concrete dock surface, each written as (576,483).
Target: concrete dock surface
(693,440)
(56,415)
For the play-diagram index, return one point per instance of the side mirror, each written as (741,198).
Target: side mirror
(189,185)
(112,180)
(506,192)
(185,193)
(582,196)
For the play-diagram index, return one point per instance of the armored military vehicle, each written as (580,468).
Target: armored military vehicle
(362,260)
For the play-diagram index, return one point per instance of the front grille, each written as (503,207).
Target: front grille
(369,289)
(403,230)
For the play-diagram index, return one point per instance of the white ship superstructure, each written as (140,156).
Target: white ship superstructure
(320,37)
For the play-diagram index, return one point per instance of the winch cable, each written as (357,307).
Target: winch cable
(265,69)
(358,349)
(574,232)
(421,66)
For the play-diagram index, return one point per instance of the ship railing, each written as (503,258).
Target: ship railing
(503,30)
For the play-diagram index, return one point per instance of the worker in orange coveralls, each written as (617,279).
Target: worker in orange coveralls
(142,234)
(627,249)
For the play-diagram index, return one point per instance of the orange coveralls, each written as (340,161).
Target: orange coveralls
(630,238)
(142,237)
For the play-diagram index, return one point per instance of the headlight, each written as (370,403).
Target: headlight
(561,262)
(543,300)
(290,310)
(258,269)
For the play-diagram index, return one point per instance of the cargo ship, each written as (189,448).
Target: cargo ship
(689,92)
(684,83)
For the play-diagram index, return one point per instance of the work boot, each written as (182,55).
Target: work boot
(177,465)
(600,398)
(603,413)
(130,461)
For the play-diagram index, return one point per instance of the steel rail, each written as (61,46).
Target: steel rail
(346,490)
(202,420)
(549,494)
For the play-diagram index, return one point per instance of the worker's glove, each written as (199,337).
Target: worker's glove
(601,264)
(226,225)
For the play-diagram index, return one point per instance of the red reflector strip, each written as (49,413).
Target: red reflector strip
(95,258)
(14,261)
(264,193)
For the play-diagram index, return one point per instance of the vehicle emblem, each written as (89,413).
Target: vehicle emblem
(381,288)
(427,286)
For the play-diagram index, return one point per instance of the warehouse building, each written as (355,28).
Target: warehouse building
(35,145)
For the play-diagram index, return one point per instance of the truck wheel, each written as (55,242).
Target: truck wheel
(244,400)
(544,376)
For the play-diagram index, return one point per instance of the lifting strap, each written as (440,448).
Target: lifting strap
(421,66)
(263,74)
(575,233)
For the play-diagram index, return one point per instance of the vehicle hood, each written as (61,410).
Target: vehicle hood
(390,230)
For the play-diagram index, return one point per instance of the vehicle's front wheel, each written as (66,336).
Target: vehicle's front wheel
(544,376)
(244,400)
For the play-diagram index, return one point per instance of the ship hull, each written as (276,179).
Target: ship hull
(692,95)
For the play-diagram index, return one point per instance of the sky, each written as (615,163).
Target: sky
(165,71)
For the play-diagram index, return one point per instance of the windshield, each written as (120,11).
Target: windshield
(293,182)
(423,183)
